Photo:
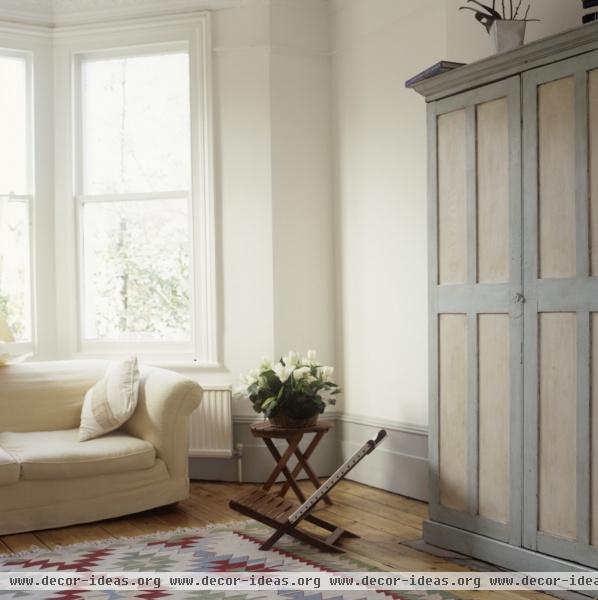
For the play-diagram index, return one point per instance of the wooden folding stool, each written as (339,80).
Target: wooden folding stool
(284,516)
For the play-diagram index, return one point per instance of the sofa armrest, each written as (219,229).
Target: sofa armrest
(166,399)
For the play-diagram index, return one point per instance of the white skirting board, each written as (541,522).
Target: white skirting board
(399,464)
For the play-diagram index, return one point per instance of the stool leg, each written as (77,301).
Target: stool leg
(312,476)
(273,539)
(290,480)
(302,464)
(281,460)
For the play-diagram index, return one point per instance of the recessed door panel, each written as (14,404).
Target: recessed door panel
(557,424)
(557,183)
(493,417)
(493,191)
(453,387)
(452,199)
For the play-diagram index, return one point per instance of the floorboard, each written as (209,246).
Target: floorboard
(383,520)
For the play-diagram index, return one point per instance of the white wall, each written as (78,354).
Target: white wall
(273,183)
(303,233)
(380,148)
(241,78)
(380,176)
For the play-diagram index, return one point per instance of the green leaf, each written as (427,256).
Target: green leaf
(269,402)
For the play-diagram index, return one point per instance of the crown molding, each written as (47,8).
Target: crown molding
(81,31)
(56,13)
(28,12)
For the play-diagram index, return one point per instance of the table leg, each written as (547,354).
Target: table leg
(281,466)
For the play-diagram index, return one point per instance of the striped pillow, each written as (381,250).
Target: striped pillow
(111,401)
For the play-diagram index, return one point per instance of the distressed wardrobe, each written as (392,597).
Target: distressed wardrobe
(513,229)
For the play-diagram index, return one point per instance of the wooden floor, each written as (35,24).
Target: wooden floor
(383,520)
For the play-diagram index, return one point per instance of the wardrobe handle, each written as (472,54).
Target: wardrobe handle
(519,298)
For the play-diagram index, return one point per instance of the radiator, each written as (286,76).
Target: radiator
(211,425)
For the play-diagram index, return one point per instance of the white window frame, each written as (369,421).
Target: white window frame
(35,43)
(81,199)
(28,198)
(139,36)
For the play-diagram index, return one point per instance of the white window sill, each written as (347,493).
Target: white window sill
(167,361)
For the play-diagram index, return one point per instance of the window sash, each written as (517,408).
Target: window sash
(26,347)
(150,347)
(150,49)
(106,346)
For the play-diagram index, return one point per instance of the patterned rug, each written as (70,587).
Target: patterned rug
(232,547)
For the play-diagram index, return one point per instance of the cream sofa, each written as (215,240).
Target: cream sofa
(50,479)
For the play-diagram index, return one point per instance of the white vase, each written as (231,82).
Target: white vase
(507,35)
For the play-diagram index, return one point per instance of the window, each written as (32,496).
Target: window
(135,199)
(16,197)
(106,194)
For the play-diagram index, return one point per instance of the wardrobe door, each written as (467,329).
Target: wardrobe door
(476,310)
(561,310)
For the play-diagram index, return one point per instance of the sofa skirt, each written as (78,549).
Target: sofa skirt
(30,505)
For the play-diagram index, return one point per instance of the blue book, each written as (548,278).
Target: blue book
(441,67)
(590,3)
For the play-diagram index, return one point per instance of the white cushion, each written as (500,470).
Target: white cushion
(111,401)
(9,468)
(46,396)
(59,455)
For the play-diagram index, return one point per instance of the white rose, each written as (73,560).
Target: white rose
(249,379)
(301,373)
(311,355)
(265,365)
(326,373)
(292,359)
(282,371)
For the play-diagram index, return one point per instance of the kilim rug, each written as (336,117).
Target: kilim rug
(230,547)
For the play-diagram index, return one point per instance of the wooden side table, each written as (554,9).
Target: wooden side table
(293,437)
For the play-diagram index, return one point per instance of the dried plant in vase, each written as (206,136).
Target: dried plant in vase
(505,26)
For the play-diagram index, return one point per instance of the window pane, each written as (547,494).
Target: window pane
(136,124)
(15,292)
(137,280)
(13,125)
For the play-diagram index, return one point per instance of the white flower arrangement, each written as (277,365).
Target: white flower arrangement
(295,386)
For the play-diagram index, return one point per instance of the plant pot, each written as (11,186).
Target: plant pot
(287,422)
(507,35)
